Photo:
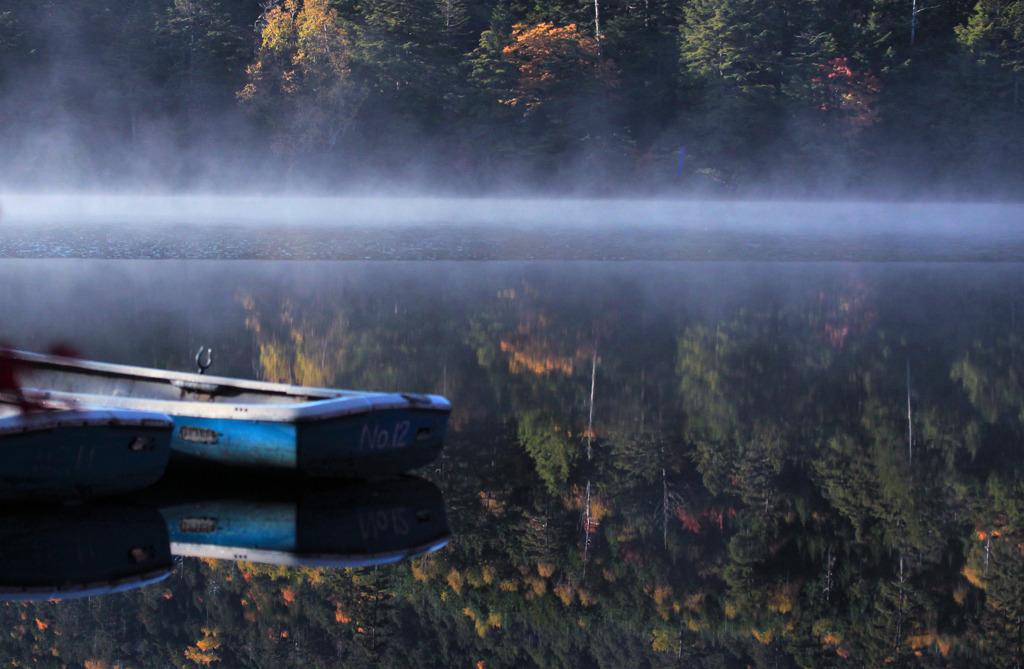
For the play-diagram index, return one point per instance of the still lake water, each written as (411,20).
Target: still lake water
(790,455)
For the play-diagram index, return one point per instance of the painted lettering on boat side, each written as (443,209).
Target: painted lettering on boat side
(380,438)
(373,524)
(198,435)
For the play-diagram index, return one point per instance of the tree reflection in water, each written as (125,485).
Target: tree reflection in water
(751,498)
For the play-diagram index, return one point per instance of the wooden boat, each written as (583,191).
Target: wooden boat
(80,454)
(72,551)
(301,523)
(237,422)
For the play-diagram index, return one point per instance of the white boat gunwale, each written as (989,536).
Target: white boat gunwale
(313,411)
(217,394)
(287,558)
(199,380)
(33,421)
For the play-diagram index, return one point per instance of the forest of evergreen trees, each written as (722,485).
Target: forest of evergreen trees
(773,97)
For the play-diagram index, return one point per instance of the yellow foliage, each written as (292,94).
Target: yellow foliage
(302,70)
(207,644)
(661,593)
(533,355)
(425,568)
(538,585)
(545,569)
(456,581)
(831,638)
(566,593)
(508,586)
(197,656)
(693,602)
(662,641)
(489,573)
(764,637)
(279,27)
(203,653)
(920,641)
(209,641)
(323,47)
(598,508)
(304,356)
(973,577)
(492,503)
(782,600)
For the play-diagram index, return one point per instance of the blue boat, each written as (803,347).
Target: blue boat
(300,522)
(50,551)
(74,455)
(244,423)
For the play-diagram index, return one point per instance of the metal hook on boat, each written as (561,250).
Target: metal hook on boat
(199,358)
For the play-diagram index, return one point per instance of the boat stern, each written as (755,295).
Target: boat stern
(398,433)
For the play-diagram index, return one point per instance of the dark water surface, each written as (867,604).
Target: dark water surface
(708,464)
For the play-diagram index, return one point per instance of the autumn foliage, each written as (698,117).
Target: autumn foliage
(849,94)
(549,59)
(300,78)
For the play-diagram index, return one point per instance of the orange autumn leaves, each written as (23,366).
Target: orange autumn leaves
(548,58)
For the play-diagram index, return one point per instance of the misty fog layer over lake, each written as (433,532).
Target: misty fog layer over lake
(247,227)
(725,435)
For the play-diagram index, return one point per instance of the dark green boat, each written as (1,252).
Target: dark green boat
(80,454)
(65,552)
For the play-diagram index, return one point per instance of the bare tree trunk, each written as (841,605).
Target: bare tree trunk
(586,533)
(590,422)
(830,563)
(898,641)
(664,507)
(910,424)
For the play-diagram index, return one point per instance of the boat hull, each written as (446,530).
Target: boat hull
(66,552)
(300,522)
(77,455)
(376,444)
(253,424)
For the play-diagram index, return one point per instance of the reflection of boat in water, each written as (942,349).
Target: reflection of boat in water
(70,454)
(303,522)
(57,552)
(237,422)
(62,552)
